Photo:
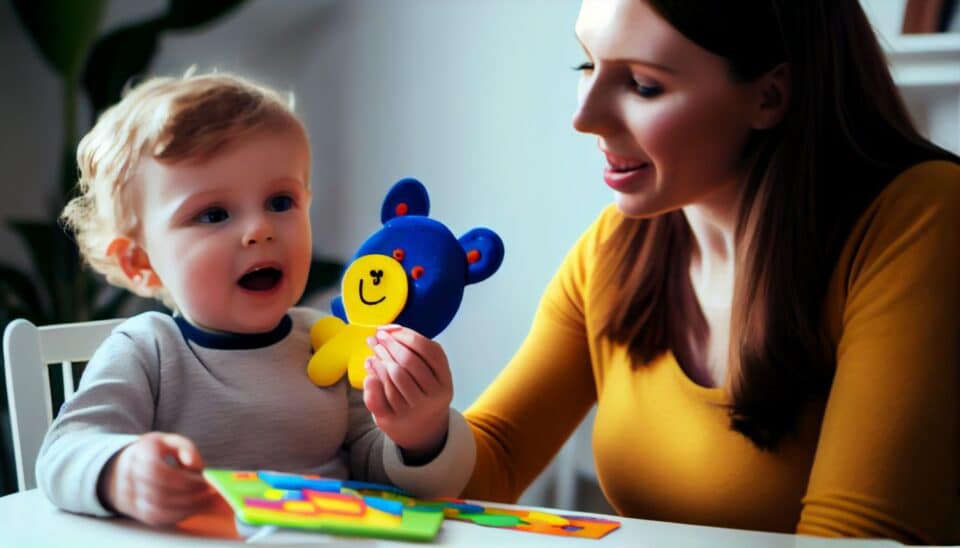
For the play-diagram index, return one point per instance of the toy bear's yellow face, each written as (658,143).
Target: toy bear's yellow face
(374,290)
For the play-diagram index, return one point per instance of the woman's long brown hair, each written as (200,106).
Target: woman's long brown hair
(845,135)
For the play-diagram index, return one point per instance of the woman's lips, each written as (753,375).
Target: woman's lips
(621,179)
(623,172)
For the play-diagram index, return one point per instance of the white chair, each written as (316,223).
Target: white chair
(27,351)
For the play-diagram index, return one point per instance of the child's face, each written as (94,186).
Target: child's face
(229,237)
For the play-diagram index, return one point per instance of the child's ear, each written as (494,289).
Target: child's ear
(774,97)
(134,263)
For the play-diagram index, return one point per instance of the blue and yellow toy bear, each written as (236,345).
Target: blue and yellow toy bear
(410,272)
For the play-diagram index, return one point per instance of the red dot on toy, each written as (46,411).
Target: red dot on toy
(401,209)
(417,272)
(398,254)
(473,256)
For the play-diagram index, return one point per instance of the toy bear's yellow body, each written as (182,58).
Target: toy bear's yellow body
(374,290)
(340,348)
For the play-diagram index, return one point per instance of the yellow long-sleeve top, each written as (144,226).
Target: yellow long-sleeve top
(879,458)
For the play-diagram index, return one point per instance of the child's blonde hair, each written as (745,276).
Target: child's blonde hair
(187,119)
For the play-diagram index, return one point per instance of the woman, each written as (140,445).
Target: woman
(769,317)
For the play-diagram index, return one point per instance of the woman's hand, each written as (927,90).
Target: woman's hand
(156,480)
(408,389)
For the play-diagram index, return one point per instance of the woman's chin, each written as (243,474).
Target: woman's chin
(636,207)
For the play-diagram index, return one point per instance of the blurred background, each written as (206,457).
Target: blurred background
(473,97)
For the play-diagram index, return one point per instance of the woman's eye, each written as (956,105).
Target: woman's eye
(584,66)
(647,91)
(280,203)
(213,215)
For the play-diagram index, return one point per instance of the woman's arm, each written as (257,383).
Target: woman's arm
(534,405)
(887,460)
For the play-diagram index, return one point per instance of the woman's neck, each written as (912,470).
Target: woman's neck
(713,223)
(712,269)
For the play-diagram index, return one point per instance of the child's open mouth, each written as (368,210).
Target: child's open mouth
(261,279)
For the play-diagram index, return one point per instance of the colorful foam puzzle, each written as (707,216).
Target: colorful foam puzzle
(321,504)
(410,272)
(354,508)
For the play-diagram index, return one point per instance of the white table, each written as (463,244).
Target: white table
(27,519)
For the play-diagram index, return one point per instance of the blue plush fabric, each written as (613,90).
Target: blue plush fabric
(438,265)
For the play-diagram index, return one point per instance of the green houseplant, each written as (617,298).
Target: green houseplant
(56,288)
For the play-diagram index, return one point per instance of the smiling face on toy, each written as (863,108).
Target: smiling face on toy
(413,270)
(374,290)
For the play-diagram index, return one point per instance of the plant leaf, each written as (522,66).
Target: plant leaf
(184,14)
(16,286)
(61,29)
(56,263)
(117,58)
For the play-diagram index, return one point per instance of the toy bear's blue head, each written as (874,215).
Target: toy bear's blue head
(413,270)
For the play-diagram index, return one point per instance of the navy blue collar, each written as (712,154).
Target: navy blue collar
(234,341)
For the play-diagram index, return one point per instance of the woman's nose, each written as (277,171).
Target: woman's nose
(596,111)
(258,230)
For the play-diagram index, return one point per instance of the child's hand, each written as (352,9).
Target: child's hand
(408,389)
(156,480)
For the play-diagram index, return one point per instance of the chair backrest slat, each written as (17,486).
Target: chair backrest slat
(27,350)
(73,342)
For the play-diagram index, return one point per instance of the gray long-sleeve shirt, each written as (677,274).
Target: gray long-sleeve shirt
(246,402)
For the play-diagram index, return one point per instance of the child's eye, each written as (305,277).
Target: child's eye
(280,203)
(213,215)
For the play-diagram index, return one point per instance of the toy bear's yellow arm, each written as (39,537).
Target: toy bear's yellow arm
(324,329)
(340,348)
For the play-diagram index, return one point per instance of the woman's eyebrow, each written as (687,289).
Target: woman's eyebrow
(631,60)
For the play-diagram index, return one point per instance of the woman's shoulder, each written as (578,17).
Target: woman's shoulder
(927,192)
(918,210)
(605,226)
(608,221)
(933,184)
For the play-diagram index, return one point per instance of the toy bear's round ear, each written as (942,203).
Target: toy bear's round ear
(484,250)
(406,197)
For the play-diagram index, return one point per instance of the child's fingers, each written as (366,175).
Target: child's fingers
(429,351)
(397,403)
(165,503)
(400,376)
(185,452)
(155,514)
(412,363)
(161,498)
(373,395)
(168,511)
(165,478)
(157,461)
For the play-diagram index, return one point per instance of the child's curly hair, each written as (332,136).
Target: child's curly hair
(186,119)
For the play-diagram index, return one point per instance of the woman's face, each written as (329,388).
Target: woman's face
(668,115)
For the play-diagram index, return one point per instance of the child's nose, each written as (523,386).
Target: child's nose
(258,231)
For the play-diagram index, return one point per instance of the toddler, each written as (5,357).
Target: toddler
(195,190)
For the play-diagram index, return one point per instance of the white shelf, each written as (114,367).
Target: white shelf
(925,60)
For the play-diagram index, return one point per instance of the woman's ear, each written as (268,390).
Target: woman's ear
(134,263)
(774,97)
